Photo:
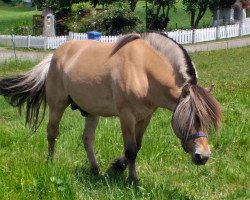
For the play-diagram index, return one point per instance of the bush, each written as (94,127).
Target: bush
(80,7)
(21,28)
(117,19)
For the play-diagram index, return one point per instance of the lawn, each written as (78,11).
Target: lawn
(164,169)
(11,15)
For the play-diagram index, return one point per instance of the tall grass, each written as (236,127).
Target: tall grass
(165,171)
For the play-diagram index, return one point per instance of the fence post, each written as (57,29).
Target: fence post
(28,41)
(45,44)
(71,36)
(217,33)
(240,28)
(14,46)
(193,36)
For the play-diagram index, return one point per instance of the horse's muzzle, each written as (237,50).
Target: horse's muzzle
(199,159)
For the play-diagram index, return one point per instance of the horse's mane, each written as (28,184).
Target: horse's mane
(176,54)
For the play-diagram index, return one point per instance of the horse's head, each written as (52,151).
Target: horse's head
(194,112)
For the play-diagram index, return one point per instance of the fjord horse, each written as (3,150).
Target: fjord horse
(129,79)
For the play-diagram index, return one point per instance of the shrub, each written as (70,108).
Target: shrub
(80,7)
(117,19)
(21,28)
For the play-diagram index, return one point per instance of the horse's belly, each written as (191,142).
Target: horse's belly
(95,99)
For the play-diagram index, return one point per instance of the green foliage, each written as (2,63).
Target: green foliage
(116,19)
(22,28)
(196,9)
(165,171)
(221,4)
(158,14)
(80,7)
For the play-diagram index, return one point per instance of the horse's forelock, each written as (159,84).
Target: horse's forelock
(206,107)
(197,105)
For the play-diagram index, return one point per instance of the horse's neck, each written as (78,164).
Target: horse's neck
(164,90)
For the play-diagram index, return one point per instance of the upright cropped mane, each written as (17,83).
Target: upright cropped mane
(184,68)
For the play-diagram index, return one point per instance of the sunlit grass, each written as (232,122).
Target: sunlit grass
(165,171)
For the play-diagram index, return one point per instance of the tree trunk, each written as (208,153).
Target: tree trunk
(201,13)
(133,5)
(192,19)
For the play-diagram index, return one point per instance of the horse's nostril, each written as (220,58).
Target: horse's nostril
(200,159)
(205,159)
(197,156)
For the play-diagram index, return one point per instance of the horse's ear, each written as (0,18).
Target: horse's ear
(185,90)
(210,90)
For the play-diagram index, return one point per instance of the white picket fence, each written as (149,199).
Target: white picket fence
(180,36)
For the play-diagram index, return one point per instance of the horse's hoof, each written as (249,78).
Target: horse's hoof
(49,159)
(118,165)
(95,171)
(133,181)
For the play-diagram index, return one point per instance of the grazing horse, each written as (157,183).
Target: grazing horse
(129,79)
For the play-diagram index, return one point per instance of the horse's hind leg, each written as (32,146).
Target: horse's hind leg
(91,122)
(55,115)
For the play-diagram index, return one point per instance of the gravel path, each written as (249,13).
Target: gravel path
(225,44)
(232,43)
(6,54)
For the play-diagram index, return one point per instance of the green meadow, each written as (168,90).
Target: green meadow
(13,15)
(164,169)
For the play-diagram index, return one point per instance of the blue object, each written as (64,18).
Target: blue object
(94,35)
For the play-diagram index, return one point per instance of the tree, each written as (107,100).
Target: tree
(158,13)
(198,8)
(221,3)
(133,5)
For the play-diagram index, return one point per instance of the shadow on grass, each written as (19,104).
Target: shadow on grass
(85,176)
(120,182)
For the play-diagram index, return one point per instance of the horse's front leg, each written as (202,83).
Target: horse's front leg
(128,123)
(91,122)
(120,163)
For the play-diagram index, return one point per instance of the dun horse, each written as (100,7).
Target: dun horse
(129,79)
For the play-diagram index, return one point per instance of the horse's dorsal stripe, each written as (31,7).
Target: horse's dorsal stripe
(125,40)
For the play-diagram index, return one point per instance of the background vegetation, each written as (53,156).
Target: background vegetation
(16,17)
(164,169)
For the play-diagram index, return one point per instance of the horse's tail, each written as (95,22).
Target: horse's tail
(28,90)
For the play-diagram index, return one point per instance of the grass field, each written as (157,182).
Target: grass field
(165,171)
(10,15)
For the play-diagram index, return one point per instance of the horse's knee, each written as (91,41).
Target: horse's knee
(131,152)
